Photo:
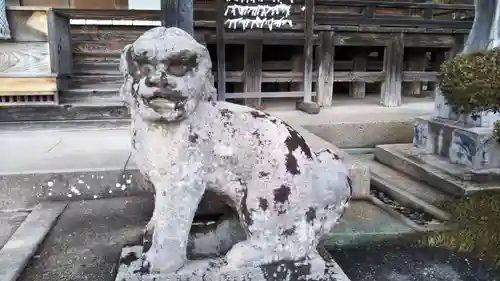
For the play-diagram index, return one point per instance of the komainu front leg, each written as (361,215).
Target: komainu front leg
(175,206)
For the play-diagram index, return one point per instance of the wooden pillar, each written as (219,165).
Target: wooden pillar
(297,66)
(357,90)
(393,70)
(221,51)
(458,47)
(326,53)
(308,50)
(61,55)
(178,13)
(438,56)
(417,62)
(253,71)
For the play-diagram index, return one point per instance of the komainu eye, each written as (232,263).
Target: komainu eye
(177,69)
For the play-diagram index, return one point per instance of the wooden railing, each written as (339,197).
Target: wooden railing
(327,14)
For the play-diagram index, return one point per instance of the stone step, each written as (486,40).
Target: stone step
(390,179)
(400,157)
(364,222)
(370,220)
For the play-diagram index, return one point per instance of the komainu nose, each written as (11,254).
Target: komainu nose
(158,80)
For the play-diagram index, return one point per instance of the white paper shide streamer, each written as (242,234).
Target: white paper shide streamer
(249,14)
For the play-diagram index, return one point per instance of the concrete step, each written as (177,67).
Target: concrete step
(408,196)
(387,178)
(365,132)
(441,175)
(364,222)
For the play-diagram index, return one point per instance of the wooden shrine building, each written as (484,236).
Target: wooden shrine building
(62,63)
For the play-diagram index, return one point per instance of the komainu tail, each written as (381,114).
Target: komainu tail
(337,165)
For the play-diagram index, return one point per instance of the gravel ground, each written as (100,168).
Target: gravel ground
(416,216)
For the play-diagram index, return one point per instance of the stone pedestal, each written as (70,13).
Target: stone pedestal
(316,269)
(473,147)
(459,139)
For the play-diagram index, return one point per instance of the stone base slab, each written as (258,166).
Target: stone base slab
(24,242)
(130,269)
(472,147)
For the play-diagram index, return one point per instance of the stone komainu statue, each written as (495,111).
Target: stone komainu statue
(4,24)
(284,196)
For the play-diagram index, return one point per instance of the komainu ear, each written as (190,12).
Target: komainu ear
(127,64)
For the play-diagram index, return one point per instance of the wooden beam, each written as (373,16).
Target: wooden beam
(255,95)
(178,13)
(308,50)
(357,90)
(422,76)
(28,84)
(417,62)
(297,66)
(253,70)
(324,84)
(438,56)
(61,56)
(339,76)
(393,68)
(28,26)
(458,46)
(221,52)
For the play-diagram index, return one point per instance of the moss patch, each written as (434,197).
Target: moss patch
(478,227)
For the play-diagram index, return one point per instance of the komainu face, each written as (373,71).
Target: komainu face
(167,73)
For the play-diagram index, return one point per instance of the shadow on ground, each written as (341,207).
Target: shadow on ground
(86,242)
(392,263)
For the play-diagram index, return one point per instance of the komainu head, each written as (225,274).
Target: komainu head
(167,73)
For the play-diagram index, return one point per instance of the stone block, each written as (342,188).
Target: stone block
(472,147)
(130,269)
(436,171)
(308,107)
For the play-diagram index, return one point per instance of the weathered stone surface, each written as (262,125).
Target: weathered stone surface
(308,107)
(285,196)
(436,171)
(314,269)
(470,146)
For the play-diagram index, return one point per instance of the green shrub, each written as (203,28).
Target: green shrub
(471,82)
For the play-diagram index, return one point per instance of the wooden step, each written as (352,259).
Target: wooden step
(95,97)
(28,89)
(95,82)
